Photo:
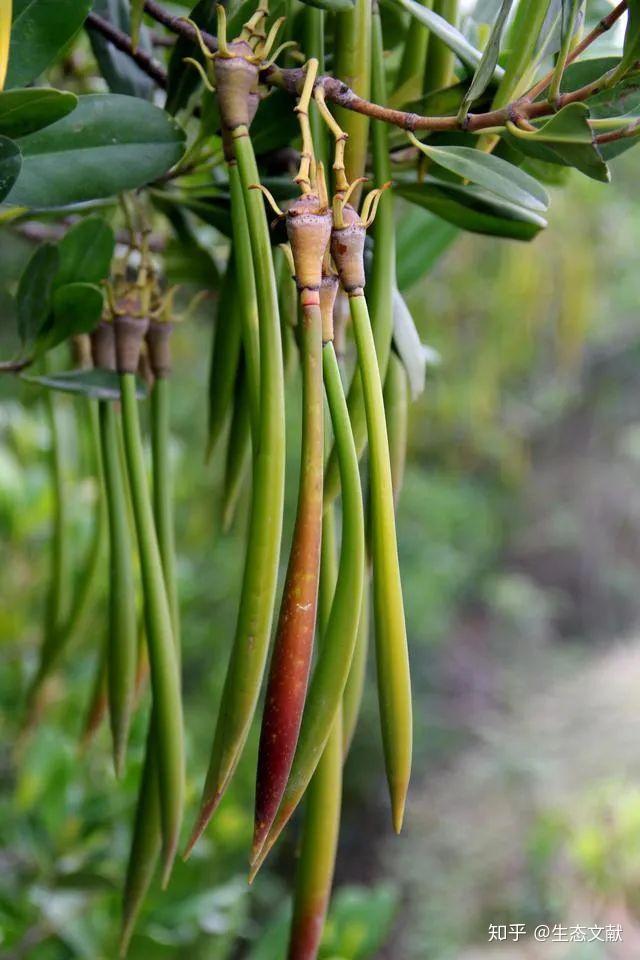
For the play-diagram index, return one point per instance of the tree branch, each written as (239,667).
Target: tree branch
(602,27)
(123,43)
(292,80)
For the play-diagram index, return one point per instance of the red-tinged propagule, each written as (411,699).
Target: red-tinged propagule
(308,227)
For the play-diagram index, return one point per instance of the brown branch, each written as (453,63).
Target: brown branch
(123,43)
(631,130)
(292,80)
(36,232)
(602,27)
(177,24)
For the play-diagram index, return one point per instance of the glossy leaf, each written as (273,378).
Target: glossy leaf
(33,299)
(10,163)
(120,71)
(485,70)
(109,144)
(491,172)
(471,208)
(76,309)
(40,30)
(275,124)
(25,111)
(331,6)
(623,99)
(93,384)
(586,71)
(85,252)
(449,35)
(566,138)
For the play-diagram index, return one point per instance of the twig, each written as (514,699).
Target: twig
(292,81)
(15,366)
(37,232)
(631,130)
(123,43)
(605,24)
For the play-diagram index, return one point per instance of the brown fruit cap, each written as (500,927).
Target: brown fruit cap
(308,229)
(103,346)
(159,347)
(236,82)
(130,332)
(347,250)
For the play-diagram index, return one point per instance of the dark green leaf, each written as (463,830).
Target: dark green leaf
(486,68)
(94,384)
(566,138)
(275,123)
(119,70)
(110,143)
(421,239)
(183,79)
(25,111)
(10,163)
(40,30)
(494,174)
(76,309)
(471,208)
(85,252)
(34,295)
(581,72)
(332,6)
(623,99)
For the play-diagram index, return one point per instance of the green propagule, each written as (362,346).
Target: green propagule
(298,292)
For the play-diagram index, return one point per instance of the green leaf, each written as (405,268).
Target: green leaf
(275,123)
(76,309)
(25,111)
(85,252)
(137,10)
(623,99)
(471,208)
(486,68)
(33,299)
(332,6)
(566,138)
(119,70)
(421,239)
(93,384)
(10,164)
(40,30)
(581,72)
(491,172)
(110,143)
(183,79)
(451,37)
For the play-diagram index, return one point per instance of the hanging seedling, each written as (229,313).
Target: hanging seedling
(457,153)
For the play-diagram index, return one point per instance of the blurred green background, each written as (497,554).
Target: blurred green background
(519,531)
